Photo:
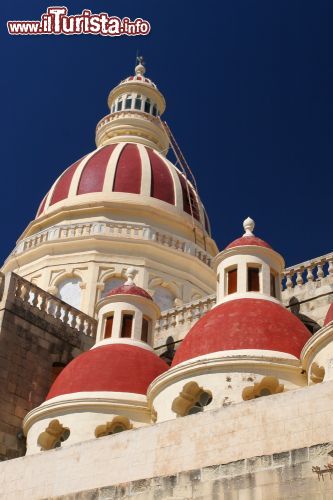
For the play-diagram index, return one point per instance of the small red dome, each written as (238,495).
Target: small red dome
(129,290)
(113,367)
(244,324)
(329,315)
(248,240)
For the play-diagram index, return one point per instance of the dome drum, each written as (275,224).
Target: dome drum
(230,378)
(84,413)
(127,312)
(138,126)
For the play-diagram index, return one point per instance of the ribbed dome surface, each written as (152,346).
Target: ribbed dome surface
(114,368)
(244,324)
(125,168)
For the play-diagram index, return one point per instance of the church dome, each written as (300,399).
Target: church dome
(244,324)
(109,368)
(114,169)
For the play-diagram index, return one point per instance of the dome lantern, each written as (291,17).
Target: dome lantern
(126,315)
(248,268)
(135,108)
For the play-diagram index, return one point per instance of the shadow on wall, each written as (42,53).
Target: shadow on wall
(169,354)
(310,324)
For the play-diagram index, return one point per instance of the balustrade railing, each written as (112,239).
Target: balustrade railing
(184,315)
(120,114)
(112,230)
(314,271)
(31,295)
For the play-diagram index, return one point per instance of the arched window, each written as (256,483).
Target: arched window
(118,424)
(53,436)
(266,387)
(69,291)
(164,298)
(110,284)
(193,399)
(119,105)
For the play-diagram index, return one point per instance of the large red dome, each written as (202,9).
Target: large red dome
(244,324)
(125,168)
(111,368)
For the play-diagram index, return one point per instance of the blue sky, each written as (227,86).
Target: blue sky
(248,86)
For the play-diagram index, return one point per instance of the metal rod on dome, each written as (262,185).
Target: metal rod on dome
(185,167)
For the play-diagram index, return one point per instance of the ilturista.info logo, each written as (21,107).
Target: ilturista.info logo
(56,21)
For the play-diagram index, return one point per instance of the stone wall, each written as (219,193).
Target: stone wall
(279,476)
(260,449)
(34,344)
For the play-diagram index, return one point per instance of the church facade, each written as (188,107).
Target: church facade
(138,359)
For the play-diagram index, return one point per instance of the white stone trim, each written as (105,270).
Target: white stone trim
(110,171)
(126,341)
(176,185)
(146,175)
(86,401)
(221,362)
(318,341)
(249,295)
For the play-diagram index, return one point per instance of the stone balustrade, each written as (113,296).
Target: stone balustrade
(311,271)
(35,299)
(176,322)
(120,114)
(112,230)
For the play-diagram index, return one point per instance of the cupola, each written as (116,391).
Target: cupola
(103,390)
(126,315)
(248,267)
(135,108)
(247,346)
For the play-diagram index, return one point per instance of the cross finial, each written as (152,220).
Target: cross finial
(139,60)
(248,226)
(140,68)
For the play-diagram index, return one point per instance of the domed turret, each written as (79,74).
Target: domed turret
(247,346)
(104,388)
(135,109)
